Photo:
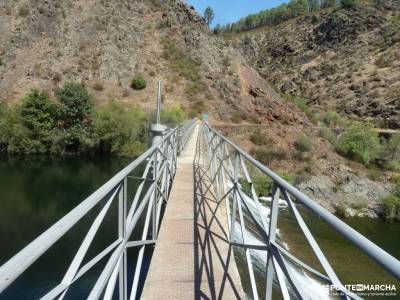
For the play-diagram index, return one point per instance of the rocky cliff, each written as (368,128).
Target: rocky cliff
(346,60)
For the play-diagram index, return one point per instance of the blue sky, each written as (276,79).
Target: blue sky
(228,11)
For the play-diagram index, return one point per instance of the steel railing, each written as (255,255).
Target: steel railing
(159,164)
(228,173)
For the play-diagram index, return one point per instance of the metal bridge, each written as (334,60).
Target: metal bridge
(194,202)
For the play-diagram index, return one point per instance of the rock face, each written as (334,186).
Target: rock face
(44,43)
(346,60)
(346,193)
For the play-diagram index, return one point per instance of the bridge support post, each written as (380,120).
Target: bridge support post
(122,214)
(157,129)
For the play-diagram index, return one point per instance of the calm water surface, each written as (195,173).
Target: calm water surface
(35,192)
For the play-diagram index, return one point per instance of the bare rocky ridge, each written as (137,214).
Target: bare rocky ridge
(346,60)
(102,44)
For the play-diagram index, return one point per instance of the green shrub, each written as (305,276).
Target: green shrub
(138,82)
(76,139)
(391,148)
(181,61)
(119,128)
(327,68)
(333,119)
(359,142)
(391,206)
(393,165)
(374,173)
(254,119)
(267,155)
(98,86)
(192,90)
(303,143)
(328,135)
(3,115)
(198,106)
(260,138)
(301,103)
(236,118)
(23,11)
(239,116)
(263,184)
(396,190)
(38,113)
(347,3)
(173,115)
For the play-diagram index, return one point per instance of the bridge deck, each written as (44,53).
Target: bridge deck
(192,258)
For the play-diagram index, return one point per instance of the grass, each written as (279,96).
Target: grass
(267,155)
(187,67)
(23,11)
(391,207)
(260,138)
(328,134)
(180,61)
(303,143)
(237,117)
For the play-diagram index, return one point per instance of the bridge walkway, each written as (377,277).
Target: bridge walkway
(192,258)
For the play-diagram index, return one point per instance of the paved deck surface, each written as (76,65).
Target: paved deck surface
(192,258)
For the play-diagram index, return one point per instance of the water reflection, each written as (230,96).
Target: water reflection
(35,192)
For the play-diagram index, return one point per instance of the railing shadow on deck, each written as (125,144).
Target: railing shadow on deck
(213,254)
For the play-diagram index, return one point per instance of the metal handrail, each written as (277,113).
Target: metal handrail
(161,165)
(225,166)
(184,133)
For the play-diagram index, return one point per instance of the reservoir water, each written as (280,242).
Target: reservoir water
(36,191)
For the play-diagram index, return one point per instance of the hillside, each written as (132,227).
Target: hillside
(346,60)
(103,44)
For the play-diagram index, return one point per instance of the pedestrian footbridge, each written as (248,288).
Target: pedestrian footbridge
(189,210)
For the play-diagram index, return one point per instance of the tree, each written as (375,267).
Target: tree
(76,103)
(313,5)
(298,7)
(38,113)
(217,29)
(209,15)
(75,119)
(119,128)
(360,142)
(328,3)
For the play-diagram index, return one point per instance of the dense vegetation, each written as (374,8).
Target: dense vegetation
(359,141)
(281,13)
(71,124)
